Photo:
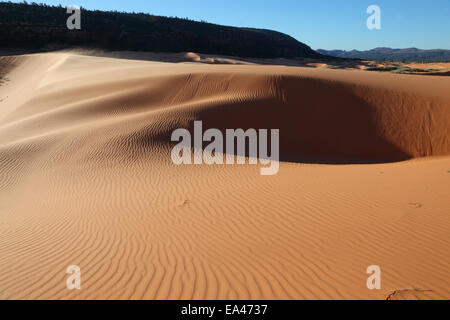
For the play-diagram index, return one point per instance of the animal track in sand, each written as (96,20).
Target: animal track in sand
(391,294)
(185,203)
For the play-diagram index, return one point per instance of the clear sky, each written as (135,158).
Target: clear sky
(322,24)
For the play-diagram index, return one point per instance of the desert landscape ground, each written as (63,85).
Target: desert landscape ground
(86,179)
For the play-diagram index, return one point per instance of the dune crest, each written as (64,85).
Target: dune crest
(353,122)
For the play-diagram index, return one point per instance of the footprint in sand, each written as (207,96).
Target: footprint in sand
(415,205)
(185,203)
(408,294)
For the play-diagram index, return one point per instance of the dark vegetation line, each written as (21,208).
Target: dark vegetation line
(40,26)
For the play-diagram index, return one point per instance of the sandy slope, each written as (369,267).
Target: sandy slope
(86,179)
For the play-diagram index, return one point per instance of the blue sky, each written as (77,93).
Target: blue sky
(324,24)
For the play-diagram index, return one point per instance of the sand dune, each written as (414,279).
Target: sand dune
(86,178)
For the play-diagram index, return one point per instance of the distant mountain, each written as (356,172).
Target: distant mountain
(41,26)
(380,54)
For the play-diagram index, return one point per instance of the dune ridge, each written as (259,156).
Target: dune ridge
(86,178)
